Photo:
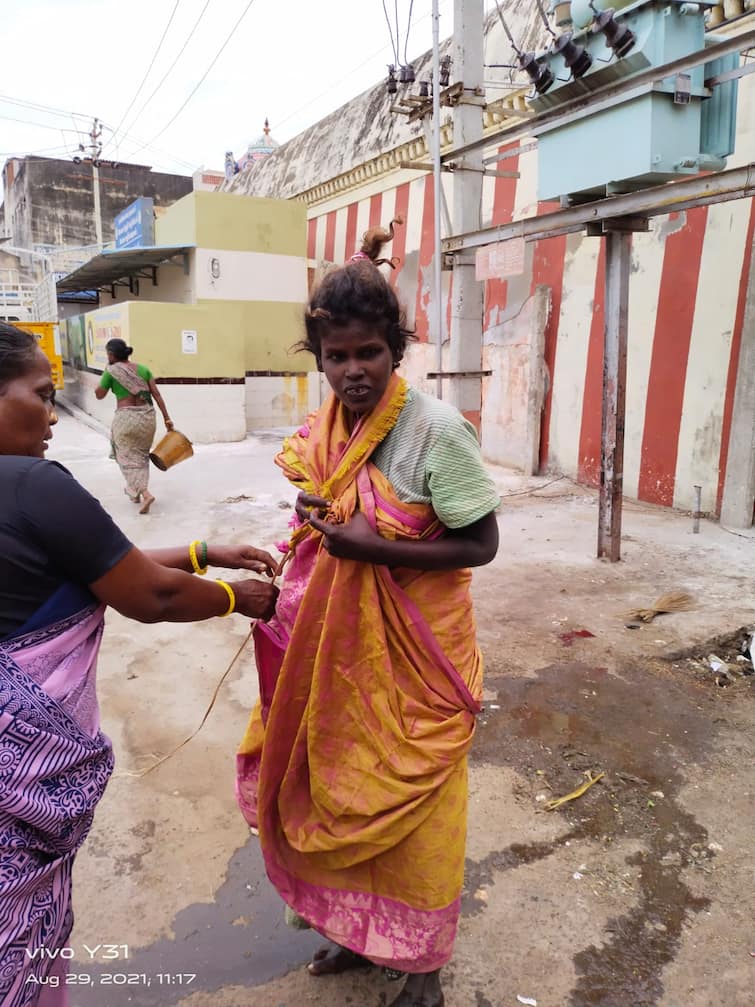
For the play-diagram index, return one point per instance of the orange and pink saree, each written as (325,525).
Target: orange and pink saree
(353,766)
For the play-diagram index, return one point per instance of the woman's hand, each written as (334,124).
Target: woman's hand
(354,540)
(255,598)
(168,423)
(305,502)
(241,557)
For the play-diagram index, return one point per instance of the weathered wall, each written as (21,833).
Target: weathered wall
(51,202)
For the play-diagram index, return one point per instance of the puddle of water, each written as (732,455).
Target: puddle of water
(641,729)
(254,949)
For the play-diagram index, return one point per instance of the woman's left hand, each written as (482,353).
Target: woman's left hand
(168,424)
(354,540)
(241,557)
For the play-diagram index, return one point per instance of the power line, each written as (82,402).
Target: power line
(39,125)
(170,68)
(43,108)
(390,32)
(202,78)
(356,69)
(408,29)
(152,63)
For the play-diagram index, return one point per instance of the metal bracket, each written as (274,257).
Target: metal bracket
(617,225)
(451,259)
(458,374)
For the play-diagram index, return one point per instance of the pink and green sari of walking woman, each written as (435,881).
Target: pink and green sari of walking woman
(354,764)
(54,767)
(133,431)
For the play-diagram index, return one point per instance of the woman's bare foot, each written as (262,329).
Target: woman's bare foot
(334,959)
(421,990)
(133,499)
(147,501)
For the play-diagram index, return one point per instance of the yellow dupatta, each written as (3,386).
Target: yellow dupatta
(362,762)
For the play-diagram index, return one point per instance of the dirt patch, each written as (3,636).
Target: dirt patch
(641,727)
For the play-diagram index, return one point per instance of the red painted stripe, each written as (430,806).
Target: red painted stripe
(376,209)
(330,237)
(311,237)
(548,271)
(398,246)
(736,343)
(668,363)
(588,464)
(351,229)
(424,271)
(504,194)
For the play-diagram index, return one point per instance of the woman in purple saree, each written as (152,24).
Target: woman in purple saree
(62,561)
(54,765)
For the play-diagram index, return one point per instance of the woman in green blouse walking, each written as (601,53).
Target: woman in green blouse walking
(133,428)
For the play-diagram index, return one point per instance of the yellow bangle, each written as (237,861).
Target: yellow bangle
(201,570)
(231,597)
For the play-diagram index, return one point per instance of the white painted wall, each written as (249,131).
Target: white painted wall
(204,412)
(282,401)
(249,276)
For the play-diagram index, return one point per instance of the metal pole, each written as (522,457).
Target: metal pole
(95,149)
(438,195)
(618,260)
(97,209)
(698,509)
(465,351)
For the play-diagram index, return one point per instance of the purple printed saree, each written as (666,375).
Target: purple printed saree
(54,766)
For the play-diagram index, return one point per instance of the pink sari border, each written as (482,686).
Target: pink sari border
(384,930)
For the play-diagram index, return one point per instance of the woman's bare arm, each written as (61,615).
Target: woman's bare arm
(155,393)
(142,589)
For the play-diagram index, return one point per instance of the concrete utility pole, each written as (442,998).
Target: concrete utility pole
(438,196)
(95,149)
(465,357)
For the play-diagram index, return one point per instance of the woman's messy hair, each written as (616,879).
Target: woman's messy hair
(358,291)
(17,350)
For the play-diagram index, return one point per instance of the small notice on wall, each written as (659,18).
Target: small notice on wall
(189,341)
(505,258)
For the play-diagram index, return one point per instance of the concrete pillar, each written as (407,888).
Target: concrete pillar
(739,487)
(465,356)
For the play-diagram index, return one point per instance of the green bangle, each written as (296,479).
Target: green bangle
(203,560)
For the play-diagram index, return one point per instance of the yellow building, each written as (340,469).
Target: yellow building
(213,308)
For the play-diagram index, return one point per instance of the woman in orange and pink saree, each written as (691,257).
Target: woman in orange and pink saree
(354,764)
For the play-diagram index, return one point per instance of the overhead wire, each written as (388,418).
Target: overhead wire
(356,69)
(149,68)
(50,109)
(544,16)
(408,29)
(390,32)
(201,80)
(172,65)
(506,28)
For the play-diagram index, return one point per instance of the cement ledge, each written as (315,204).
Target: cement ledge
(79,414)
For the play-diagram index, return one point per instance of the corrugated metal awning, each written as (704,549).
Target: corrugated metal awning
(118,264)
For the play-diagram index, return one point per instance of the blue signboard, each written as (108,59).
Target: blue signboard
(135,226)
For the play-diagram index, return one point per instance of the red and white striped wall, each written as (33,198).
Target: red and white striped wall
(687,295)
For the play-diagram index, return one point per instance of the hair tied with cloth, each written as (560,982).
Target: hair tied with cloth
(373,240)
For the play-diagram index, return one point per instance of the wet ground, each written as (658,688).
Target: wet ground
(637,893)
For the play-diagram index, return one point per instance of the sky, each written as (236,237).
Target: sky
(292,61)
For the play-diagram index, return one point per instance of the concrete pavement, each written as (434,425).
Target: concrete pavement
(635,894)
